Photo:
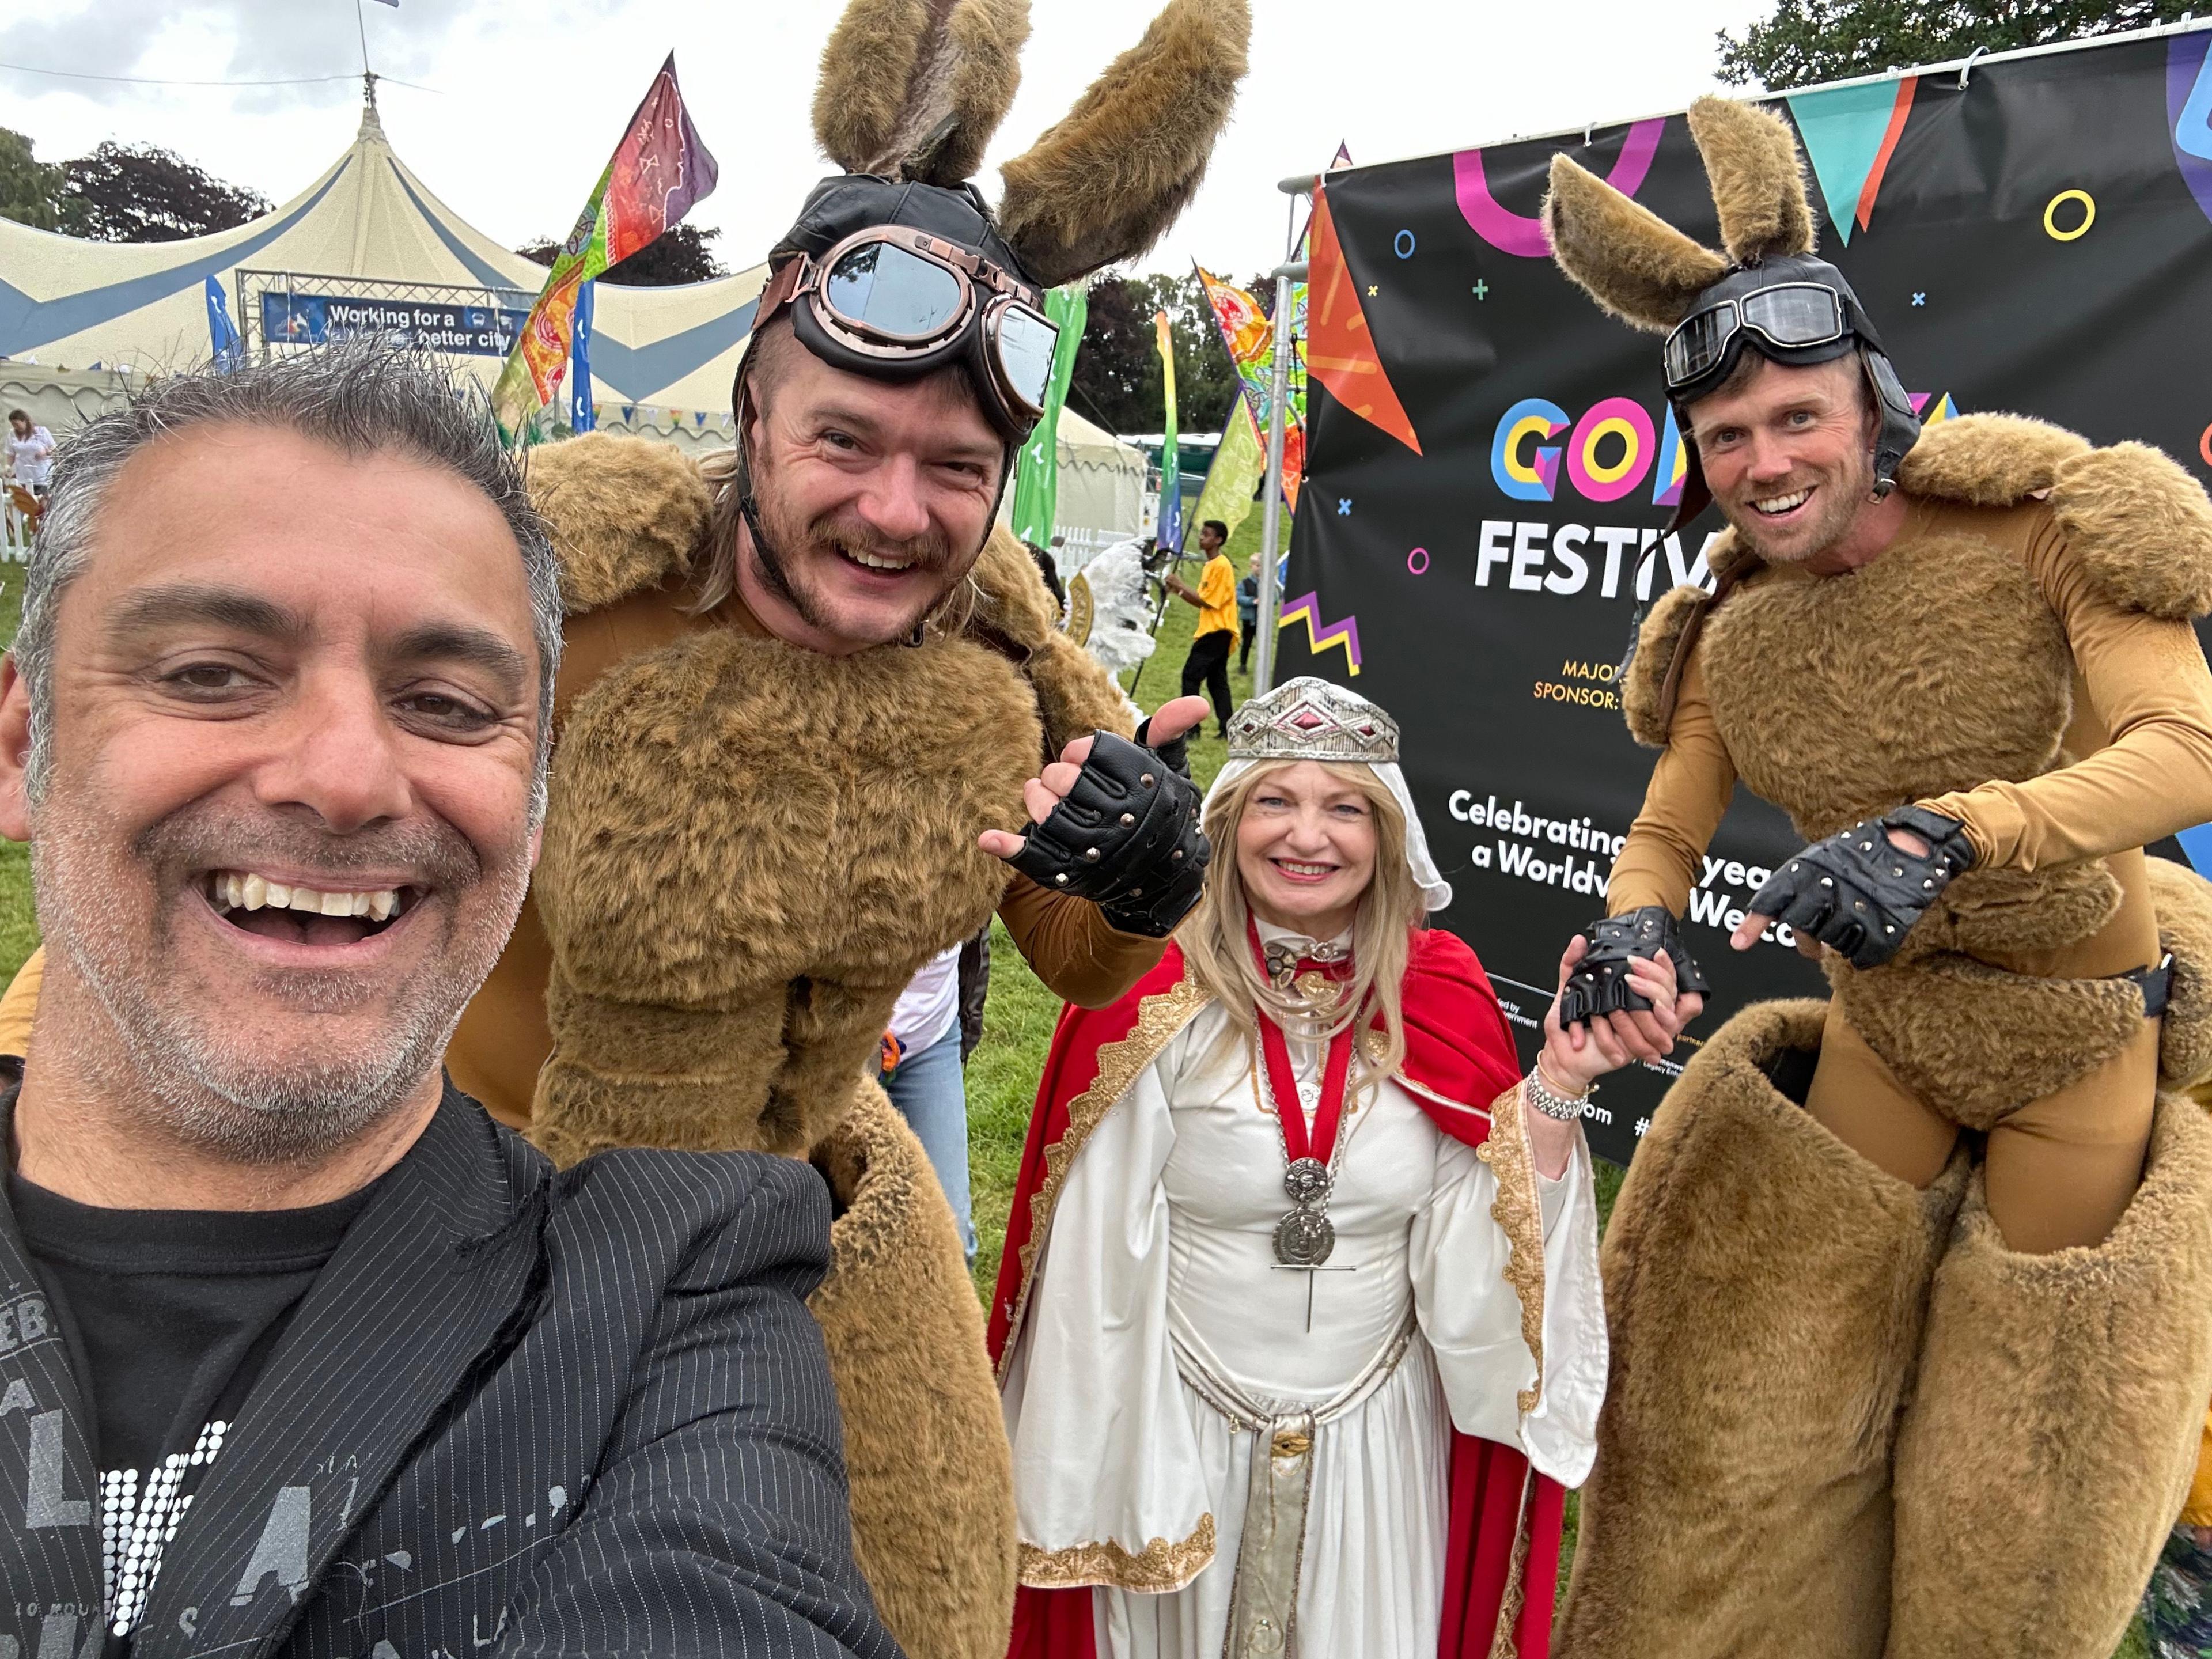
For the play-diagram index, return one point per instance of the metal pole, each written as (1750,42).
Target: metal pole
(1270,509)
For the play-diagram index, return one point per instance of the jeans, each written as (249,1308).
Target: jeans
(1251,626)
(930,1090)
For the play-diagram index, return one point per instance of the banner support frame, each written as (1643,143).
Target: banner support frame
(1271,508)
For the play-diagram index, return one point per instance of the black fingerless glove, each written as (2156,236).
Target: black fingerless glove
(1599,984)
(1859,893)
(1126,838)
(1175,752)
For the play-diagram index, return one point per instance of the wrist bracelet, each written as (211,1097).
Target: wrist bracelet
(1561,1109)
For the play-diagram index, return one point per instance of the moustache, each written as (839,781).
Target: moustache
(207,837)
(930,551)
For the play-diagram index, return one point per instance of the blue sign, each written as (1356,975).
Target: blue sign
(291,319)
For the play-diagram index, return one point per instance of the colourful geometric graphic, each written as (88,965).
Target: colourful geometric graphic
(1945,409)
(1536,478)
(1673,463)
(2189,113)
(1339,347)
(1523,237)
(1306,608)
(1850,133)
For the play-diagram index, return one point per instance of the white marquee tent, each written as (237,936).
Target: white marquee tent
(69,304)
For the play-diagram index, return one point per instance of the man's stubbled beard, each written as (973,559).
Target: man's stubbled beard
(1842,497)
(835,533)
(219,1090)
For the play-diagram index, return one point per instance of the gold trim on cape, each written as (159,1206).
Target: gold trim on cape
(1505,1639)
(1159,1016)
(1161,1568)
(1519,1214)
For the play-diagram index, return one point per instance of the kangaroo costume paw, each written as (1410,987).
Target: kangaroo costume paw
(1765,1285)
(2051,1436)
(932,1476)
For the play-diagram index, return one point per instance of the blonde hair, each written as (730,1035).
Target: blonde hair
(1217,945)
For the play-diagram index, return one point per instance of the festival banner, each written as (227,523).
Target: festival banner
(1249,337)
(1037,476)
(1168,529)
(658,173)
(1491,460)
(1239,465)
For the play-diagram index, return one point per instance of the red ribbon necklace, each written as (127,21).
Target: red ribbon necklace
(1305,1236)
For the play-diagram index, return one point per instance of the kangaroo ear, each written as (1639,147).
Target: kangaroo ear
(1624,255)
(1107,181)
(1757,180)
(915,88)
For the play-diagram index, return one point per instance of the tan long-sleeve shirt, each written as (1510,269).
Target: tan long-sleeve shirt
(2141,739)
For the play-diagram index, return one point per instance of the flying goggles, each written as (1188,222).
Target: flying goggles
(894,302)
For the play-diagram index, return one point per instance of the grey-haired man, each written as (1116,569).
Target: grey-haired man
(300,1353)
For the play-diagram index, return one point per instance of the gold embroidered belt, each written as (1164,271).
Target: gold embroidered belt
(1263,1600)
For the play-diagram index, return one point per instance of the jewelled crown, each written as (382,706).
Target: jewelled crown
(1309,719)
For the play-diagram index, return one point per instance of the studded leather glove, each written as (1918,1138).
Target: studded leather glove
(1599,984)
(1859,892)
(1175,752)
(1126,838)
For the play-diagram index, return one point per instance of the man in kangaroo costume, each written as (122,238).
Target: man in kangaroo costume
(1908,1290)
(801,682)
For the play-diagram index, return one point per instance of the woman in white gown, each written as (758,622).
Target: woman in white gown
(1310,1381)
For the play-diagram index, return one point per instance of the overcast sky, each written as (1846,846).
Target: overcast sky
(529,99)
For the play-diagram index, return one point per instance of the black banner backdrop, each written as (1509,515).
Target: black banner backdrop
(2035,236)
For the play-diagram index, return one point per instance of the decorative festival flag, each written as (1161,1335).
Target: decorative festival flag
(1168,530)
(658,172)
(581,417)
(1249,337)
(1238,467)
(1036,475)
(229,351)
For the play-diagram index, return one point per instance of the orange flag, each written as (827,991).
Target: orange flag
(1339,348)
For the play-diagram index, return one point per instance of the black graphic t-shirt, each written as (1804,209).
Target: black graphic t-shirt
(170,1315)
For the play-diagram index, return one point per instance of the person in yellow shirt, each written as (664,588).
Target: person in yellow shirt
(1215,596)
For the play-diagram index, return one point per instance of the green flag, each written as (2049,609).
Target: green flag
(1168,529)
(1238,467)
(1037,476)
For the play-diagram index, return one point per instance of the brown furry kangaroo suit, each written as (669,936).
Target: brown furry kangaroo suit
(750,848)
(1848,1416)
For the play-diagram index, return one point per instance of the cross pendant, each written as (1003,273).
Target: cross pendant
(1286,1267)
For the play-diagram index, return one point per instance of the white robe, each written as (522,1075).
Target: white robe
(1161,1235)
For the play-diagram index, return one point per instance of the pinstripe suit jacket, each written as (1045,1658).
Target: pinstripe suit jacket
(519,1412)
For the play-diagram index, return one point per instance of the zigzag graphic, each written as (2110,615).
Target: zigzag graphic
(1306,608)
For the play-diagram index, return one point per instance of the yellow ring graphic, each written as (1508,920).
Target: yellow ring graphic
(2050,215)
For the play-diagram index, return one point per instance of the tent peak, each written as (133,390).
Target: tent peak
(371,125)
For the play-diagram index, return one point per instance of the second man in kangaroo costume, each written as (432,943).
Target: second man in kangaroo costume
(1907,1289)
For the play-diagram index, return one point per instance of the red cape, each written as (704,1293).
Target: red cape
(1460,1057)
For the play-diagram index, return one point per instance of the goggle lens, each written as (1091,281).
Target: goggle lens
(1798,314)
(1025,343)
(1699,343)
(891,292)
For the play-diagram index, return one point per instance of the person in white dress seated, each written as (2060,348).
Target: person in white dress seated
(1300,1327)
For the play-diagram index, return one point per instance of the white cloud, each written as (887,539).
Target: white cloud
(531,99)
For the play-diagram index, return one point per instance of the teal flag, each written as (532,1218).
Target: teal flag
(1037,476)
